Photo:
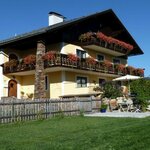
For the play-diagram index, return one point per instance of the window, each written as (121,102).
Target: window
(116,61)
(46,82)
(101,82)
(13,56)
(81,81)
(100,57)
(80,53)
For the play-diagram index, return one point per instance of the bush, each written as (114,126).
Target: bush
(111,90)
(142,90)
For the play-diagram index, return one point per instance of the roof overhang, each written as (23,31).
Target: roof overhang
(112,27)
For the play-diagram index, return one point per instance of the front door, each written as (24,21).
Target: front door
(12,88)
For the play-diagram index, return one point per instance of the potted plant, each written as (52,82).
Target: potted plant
(103,107)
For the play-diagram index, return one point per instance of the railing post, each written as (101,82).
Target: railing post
(46,107)
(13,112)
(91,103)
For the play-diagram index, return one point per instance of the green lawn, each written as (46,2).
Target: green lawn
(77,133)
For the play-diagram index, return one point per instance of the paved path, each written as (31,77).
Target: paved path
(119,114)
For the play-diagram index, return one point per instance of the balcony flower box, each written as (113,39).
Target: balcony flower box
(107,65)
(106,41)
(29,61)
(10,65)
(130,70)
(49,58)
(139,72)
(72,59)
(90,62)
(120,68)
(87,37)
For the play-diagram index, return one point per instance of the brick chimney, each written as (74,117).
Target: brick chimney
(55,18)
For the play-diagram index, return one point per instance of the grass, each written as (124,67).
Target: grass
(77,133)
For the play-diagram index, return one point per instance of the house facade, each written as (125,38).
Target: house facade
(67,58)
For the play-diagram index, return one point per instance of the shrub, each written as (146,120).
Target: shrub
(142,90)
(111,90)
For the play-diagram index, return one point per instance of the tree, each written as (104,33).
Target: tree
(141,88)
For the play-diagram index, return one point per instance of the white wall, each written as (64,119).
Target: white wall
(1,74)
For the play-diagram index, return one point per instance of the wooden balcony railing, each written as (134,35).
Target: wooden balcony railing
(62,61)
(100,39)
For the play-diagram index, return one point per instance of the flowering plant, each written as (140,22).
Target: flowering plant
(91,60)
(30,59)
(11,63)
(120,67)
(100,36)
(130,68)
(73,57)
(86,36)
(139,71)
(107,63)
(50,55)
(103,37)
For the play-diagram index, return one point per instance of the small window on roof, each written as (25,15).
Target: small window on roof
(13,56)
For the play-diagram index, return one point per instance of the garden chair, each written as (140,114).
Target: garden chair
(148,108)
(113,105)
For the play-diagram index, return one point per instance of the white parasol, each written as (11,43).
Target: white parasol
(127,78)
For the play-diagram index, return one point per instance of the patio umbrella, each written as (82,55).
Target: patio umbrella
(127,78)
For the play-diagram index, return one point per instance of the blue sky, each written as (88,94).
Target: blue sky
(20,16)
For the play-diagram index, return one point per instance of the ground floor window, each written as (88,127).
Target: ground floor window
(46,83)
(81,81)
(102,82)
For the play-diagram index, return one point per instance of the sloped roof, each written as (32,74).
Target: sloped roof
(64,24)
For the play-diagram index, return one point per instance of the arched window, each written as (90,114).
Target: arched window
(13,56)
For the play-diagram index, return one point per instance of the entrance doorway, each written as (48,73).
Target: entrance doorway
(12,88)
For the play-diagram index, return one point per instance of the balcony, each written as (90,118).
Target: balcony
(64,62)
(104,44)
(104,48)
